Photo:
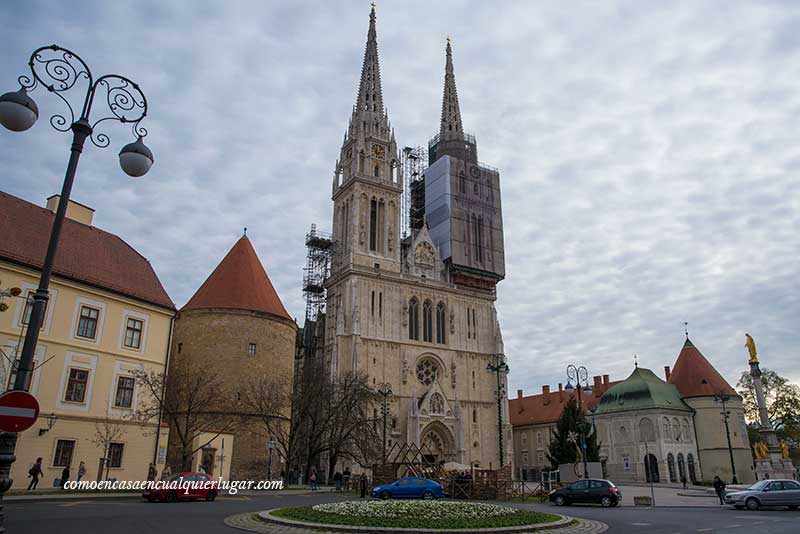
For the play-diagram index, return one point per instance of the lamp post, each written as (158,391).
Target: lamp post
(581,377)
(59,70)
(385,391)
(648,468)
(721,397)
(270,447)
(497,365)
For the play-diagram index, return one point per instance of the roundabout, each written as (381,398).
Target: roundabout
(402,517)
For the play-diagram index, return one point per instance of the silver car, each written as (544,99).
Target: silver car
(766,493)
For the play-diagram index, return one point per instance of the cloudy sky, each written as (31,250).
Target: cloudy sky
(648,152)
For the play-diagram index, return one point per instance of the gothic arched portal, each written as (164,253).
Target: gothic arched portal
(438,443)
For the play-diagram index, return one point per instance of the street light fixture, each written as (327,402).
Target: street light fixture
(385,391)
(721,397)
(59,70)
(497,365)
(270,447)
(581,377)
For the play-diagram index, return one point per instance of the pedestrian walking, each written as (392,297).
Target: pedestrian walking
(337,479)
(313,479)
(363,484)
(34,473)
(81,470)
(166,473)
(151,471)
(64,476)
(719,487)
(683,481)
(347,477)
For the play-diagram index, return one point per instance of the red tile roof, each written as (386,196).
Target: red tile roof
(694,376)
(239,282)
(85,253)
(546,407)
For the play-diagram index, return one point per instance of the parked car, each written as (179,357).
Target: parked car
(208,488)
(766,493)
(602,492)
(409,488)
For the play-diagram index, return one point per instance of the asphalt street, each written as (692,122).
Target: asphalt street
(129,516)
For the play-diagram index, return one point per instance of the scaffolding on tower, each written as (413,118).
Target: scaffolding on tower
(318,264)
(413,162)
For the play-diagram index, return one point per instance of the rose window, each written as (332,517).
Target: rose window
(427,372)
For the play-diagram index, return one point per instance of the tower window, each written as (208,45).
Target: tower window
(440,323)
(377,171)
(380,304)
(413,319)
(427,321)
(372,305)
(373,224)
(251,349)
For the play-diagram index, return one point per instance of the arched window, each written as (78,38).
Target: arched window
(373,224)
(361,157)
(377,171)
(440,323)
(413,319)
(427,371)
(437,403)
(474,416)
(646,430)
(676,429)
(692,472)
(427,321)
(666,429)
(681,466)
(671,467)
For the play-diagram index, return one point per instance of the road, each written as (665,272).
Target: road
(131,516)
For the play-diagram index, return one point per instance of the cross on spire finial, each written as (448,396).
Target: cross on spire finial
(636,361)
(245,232)
(686,329)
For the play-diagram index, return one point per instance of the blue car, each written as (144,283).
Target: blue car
(409,488)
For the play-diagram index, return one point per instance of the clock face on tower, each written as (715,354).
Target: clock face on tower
(379,151)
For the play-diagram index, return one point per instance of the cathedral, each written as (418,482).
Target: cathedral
(415,309)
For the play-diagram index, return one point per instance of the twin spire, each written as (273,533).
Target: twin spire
(369,101)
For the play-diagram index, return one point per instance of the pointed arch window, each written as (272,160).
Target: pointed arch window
(671,467)
(681,467)
(413,319)
(440,323)
(427,321)
(373,224)
(377,171)
(692,472)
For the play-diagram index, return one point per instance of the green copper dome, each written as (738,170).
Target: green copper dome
(640,391)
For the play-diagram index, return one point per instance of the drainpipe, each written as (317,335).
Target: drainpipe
(163,388)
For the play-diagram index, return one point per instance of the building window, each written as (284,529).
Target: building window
(373,224)
(474,325)
(180,347)
(63,456)
(133,333)
(524,439)
(251,349)
(690,464)
(441,325)
(671,467)
(427,371)
(12,376)
(469,329)
(427,322)
(87,324)
(538,438)
(474,415)
(76,385)
(26,313)
(372,305)
(115,454)
(124,396)
(413,319)
(525,458)
(380,304)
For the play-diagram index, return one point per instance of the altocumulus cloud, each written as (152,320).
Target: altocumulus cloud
(648,153)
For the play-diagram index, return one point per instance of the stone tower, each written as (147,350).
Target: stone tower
(395,310)
(235,327)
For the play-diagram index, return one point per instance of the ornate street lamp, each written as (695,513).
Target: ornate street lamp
(721,397)
(385,391)
(581,378)
(59,70)
(497,365)
(270,447)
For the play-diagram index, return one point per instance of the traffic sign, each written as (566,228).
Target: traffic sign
(18,411)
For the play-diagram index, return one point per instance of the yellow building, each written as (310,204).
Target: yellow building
(108,316)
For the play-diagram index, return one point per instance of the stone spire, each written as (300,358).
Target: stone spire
(451,114)
(369,102)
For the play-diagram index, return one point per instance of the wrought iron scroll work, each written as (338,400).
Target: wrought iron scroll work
(59,70)
(124,101)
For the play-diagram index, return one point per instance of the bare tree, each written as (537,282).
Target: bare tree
(192,401)
(268,399)
(106,431)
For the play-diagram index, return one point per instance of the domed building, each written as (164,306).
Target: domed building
(235,327)
(645,431)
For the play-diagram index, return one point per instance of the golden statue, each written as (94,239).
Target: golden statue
(761,450)
(751,347)
(784,450)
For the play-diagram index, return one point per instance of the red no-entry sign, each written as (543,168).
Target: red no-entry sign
(18,411)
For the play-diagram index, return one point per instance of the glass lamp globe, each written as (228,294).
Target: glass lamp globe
(136,159)
(18,111)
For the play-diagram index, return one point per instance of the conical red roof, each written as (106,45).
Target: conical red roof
(694,376)
(239,282)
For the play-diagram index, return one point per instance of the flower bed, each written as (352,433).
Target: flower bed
(416,514)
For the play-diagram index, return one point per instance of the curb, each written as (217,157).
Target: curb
(71,497)
(267,517)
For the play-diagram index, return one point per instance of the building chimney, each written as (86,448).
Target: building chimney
(75,211)
(598,381)
(605,380)
(519,394)
(560,392)
(666,372)
(546,390)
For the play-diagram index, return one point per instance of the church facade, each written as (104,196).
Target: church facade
(417,312)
